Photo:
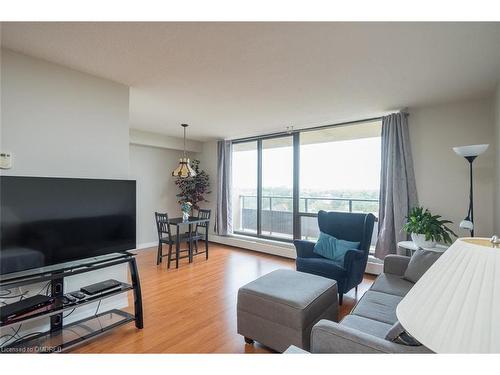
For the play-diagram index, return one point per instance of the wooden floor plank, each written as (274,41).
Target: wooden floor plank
(193,309)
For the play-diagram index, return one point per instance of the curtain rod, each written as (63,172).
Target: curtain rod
(285,133)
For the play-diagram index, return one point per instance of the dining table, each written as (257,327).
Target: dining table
(180,222)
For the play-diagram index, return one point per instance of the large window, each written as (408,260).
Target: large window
(280,183)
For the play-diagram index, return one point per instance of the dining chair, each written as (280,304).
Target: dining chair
(165,236)
(202,214)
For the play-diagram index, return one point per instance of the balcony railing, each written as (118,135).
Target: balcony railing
(277,213)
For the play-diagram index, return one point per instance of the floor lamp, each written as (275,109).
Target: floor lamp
(470,153)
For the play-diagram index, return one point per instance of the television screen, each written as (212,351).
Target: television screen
(45,221)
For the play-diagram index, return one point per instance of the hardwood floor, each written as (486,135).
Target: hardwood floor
(193,309)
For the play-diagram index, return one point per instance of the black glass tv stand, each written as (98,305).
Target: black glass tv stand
(61,336)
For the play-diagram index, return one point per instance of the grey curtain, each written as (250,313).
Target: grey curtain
(223,217)
(398,191)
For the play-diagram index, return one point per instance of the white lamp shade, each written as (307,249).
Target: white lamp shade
(466,224)
(455,306)
(472,150)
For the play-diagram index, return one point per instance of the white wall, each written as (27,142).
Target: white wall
(156,190)
(442,176)
(144,138)
(60,122)
(496,114)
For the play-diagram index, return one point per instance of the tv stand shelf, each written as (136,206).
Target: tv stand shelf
(62,336)
(71,334)
(58,307)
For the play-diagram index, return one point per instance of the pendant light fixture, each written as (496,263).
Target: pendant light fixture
(184,169)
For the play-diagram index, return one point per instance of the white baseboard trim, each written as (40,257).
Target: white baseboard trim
(374,266)
(146,245)
(256,244)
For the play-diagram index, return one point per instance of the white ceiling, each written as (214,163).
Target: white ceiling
(238,79)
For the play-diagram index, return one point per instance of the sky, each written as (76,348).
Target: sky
(342,165)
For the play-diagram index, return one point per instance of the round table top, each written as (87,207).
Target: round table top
(410,245)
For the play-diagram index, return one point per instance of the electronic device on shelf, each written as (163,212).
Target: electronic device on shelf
(101,287)
(68,298)
(77,295)
(27,305)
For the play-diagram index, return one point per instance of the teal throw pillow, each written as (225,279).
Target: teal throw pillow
(332,248)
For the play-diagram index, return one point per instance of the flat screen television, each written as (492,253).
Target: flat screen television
(46,221)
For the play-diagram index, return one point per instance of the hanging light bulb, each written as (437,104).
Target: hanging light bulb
(184,169)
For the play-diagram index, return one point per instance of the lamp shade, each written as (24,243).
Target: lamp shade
(471,150)
(455,306)
(184,169)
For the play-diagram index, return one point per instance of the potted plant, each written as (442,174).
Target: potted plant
(427,229)
(193,189)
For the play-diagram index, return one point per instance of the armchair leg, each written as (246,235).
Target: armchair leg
(341,298)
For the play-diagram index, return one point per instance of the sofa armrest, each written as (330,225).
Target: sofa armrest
(396,264)
(305,249)
(331,337)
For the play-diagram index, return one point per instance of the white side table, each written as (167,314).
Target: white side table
(409,246)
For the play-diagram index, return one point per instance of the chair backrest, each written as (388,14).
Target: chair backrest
(204,214)
(349,226)
(162,224)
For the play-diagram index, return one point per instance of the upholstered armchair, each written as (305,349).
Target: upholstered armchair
(354,227)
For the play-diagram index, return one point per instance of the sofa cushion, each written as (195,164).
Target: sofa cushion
(420,262)
(378,306)
(391,284)
(370,326)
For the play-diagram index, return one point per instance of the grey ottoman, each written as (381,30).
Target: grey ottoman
(280,308)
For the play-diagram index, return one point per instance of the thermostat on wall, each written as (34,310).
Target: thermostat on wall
(5,160)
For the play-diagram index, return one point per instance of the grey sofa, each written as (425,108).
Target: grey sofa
(365,328)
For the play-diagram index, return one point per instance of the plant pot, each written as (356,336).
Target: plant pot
(419,240)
